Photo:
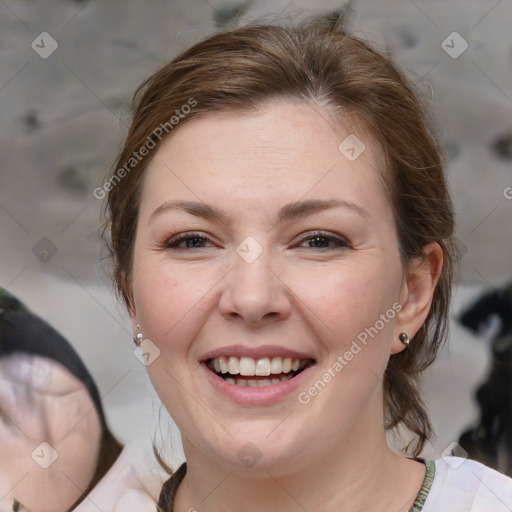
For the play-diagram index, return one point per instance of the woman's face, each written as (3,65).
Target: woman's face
(266,244)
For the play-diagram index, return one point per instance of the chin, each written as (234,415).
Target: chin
(260,446)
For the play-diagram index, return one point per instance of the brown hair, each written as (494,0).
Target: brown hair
(239,70)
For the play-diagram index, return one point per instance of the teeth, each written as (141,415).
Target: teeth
(276,365)
(223,363)
(233,366)
(249,367)
(263,367)
(253,383)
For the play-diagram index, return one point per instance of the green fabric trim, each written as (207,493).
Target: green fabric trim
(170,487)
(425,488)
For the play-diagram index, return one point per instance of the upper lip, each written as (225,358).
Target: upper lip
(255,352)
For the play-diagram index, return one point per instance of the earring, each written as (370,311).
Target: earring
(137,339)
(404,339)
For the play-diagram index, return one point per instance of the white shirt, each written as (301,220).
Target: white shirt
(464,485)
(459,485)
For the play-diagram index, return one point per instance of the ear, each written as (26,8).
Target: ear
(417,292)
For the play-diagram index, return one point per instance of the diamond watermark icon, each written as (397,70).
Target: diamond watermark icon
(454,455)
(249,249)
(147,352)
(44,455)
(44,250)
(125,119)
(44,45)
(462,248)
(249,455)
(454,45)
(351,147)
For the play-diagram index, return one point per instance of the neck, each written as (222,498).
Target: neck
(358,472)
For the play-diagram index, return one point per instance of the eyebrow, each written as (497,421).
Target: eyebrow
(288,212)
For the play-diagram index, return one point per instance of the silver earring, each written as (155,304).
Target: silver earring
(137,339)
(404,339)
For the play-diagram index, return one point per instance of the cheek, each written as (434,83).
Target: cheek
(172,305)
(349,298)
(166,301)
(354,320)
(163,297)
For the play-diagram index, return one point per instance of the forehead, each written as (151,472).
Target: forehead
(286,147)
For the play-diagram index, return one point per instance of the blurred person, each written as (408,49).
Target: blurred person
(55,442)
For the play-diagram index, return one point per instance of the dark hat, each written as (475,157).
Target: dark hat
(23,332)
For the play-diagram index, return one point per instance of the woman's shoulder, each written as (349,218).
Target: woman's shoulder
(464,485)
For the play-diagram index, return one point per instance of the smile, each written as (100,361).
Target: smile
(261,372)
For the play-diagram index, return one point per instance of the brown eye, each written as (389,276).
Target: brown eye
(323,241)
(186,241)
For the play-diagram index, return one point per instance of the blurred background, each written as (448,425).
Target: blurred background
(68,70)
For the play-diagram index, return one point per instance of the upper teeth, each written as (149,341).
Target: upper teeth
(249,367)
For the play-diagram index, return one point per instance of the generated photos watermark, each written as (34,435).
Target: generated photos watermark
(305,397)
(158,133)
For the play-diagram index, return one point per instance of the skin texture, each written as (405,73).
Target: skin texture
(189,301)
(41,401)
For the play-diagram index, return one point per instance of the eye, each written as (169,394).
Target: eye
(197,240)
(321,240)
(192,240)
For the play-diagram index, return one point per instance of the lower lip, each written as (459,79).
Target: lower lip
(263,395)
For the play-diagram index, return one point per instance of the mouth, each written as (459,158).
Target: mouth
(260,372)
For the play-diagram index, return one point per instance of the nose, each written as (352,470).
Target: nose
(254,293)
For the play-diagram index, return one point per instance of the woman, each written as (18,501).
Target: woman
(281,229)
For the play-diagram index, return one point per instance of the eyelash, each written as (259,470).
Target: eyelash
(174,242)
